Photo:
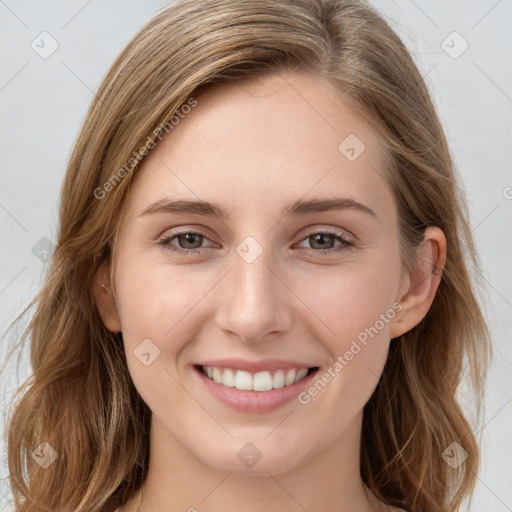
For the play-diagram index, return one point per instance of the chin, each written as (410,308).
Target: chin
(257,458)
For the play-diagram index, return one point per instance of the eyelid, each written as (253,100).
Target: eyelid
(335,231)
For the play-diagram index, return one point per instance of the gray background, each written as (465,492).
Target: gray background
(43,103)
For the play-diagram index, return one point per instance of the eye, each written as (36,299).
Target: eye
(190,242)
(322,242)
(187,242)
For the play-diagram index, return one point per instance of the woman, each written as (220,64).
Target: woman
(259,299)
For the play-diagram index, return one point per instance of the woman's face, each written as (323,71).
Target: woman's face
(279,281)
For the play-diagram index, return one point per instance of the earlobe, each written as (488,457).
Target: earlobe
(422,282)
(105,300)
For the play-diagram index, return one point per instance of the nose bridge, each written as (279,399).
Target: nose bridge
(253,302)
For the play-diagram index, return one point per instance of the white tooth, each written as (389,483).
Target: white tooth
(209,372)
(243,380)
(301,374)
(217,375)
(228,379)
(290,377)
(262,381)
(278,379)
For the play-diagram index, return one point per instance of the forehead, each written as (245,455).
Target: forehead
(265,141)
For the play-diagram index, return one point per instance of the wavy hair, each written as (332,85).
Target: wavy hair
(80,398)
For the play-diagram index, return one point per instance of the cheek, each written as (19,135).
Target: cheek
(168,304)
(159,301)
(154,299)
(350,301)
(356,320)
(356,307)
(155,304)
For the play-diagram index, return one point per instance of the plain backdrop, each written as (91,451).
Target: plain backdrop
(463,48)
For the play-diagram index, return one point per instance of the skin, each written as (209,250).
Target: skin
(254,149)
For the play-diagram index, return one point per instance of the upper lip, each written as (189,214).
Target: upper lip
(254,366)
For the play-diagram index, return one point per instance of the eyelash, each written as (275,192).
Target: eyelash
(346,243)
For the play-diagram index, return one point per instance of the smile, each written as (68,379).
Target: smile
(260,381)
(251,386)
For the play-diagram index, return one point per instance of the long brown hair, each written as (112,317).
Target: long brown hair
(80,398)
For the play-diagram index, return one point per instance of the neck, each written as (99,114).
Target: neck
(177,480)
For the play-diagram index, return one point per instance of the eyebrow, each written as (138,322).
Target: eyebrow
(300,207)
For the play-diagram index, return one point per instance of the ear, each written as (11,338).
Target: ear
(105,300)
(419,286)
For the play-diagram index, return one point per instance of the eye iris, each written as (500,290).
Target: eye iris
(189,239)
(322,236)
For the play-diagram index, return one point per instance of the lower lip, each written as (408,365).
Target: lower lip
(254,401)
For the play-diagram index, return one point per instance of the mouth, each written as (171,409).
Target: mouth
(255,381)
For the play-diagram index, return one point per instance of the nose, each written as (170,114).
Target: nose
(254,300)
